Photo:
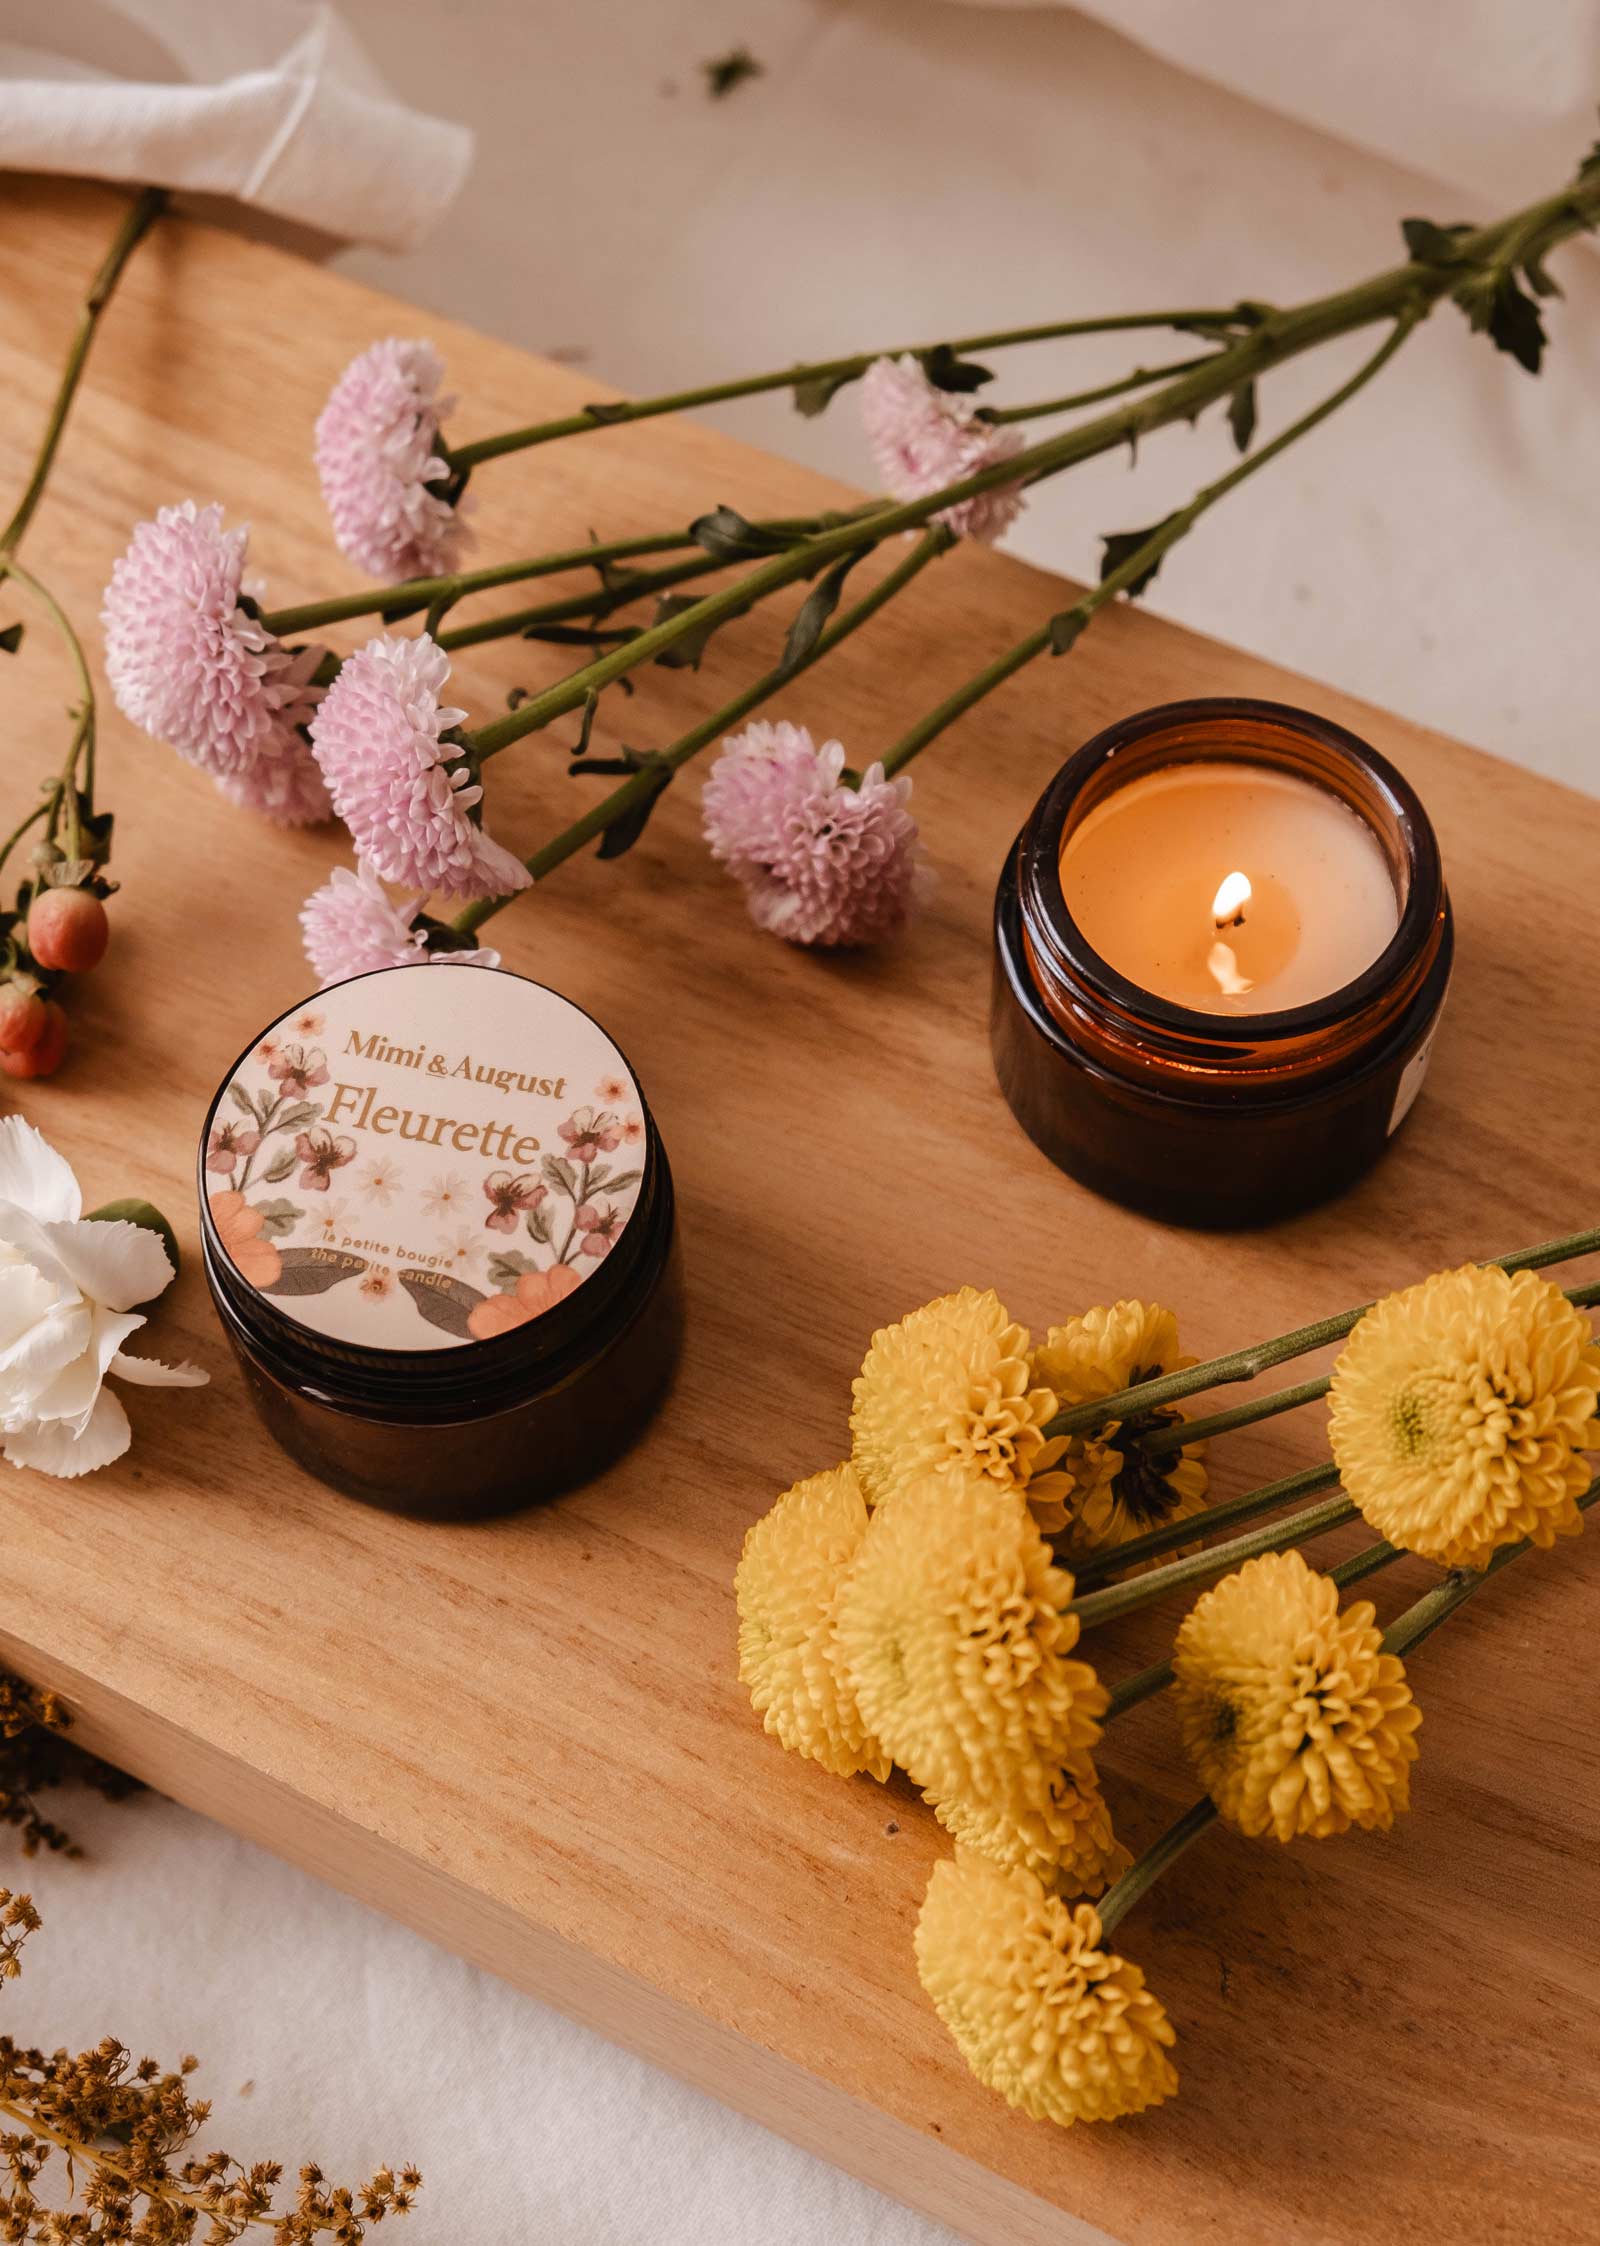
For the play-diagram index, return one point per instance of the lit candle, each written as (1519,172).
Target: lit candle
(1222,940)
(1230,888)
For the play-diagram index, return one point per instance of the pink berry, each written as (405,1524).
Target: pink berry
(68,929)
(33,1033)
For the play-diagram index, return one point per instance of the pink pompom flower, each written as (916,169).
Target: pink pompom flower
(923,438)
(819,862)
(287,788)
(352,927)
(377,450)
(189,663)
(397,784)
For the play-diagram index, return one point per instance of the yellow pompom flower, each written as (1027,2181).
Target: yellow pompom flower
(1295,1719)
(1459,1410)
(1118,1492)
(951,1634)
(951,1386)
(1059,2026)
(788,1579)
(1066,1842)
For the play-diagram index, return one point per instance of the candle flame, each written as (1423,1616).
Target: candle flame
(1230,900)
(1224,965)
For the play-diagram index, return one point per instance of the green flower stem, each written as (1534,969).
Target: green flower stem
(1062,631)
(1401,295)
(418,593)
(64,791)
(821,370)
(1147,1682)
(1160,1440)
(580,606)
(1119,1899)
(1119,1599)
(642,784)
(1309,1482)
(1419,1621)
(1404,1635)
(1246,1364)
(141,214)
(1140,379)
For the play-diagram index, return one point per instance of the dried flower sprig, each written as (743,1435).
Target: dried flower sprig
(905,1609)
(36,1756)
(135,2175)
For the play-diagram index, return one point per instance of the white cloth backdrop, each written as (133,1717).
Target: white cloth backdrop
(903,169)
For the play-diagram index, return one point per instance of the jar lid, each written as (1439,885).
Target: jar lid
(419,1160)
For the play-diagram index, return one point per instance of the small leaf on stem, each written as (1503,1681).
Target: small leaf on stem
(11,638)
(818,391)
(1065,629)
(685,652)
(946,372)
(623,833)
(1242,415)
(726,533)
(1431,244)
(813,614)
(1121,546)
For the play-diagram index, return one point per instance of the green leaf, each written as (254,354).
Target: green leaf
(537,1224)
(620,1183)
(726,533)
(445,1302)
(559,1172)
(312,1271)
(946,372)
(623,833)
(813,613)
(1539,277)
(684,654)
(11,638)
(280,1166)
(147,1218)
(606,409)
(1121,546)
(1242,415)
(297,1117)
(1066,629)
(1431,244)
(507,1267)
(278,1217)
(242,1100)
(818,391)
(1510,316)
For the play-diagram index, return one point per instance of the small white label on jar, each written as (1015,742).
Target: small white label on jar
(1409,1086)
(425,1156)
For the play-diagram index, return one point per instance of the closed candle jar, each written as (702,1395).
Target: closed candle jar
(1222,941)
(437,1223)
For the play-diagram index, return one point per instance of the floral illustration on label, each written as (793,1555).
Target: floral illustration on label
(318,1179)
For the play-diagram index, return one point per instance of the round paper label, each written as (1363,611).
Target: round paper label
(425,1156)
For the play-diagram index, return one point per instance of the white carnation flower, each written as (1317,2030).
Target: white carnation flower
(67,1290)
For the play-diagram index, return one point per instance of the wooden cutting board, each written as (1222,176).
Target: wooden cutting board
(528,1739)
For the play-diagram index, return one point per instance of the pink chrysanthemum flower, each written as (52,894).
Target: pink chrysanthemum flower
(287,788)
(396,783)
(819,862)
(923,438)
(352,926)
(187,662)
(377,456)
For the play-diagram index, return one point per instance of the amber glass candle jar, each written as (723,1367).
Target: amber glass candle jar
(1208,1103)
(437,1223)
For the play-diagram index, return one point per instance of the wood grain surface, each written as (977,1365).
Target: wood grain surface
(528,1739)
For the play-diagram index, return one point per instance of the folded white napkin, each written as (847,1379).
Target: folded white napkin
(274,104)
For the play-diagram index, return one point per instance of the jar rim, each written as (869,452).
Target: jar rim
(1040,872)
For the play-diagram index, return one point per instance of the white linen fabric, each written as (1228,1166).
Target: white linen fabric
(274,105)
(1473,91)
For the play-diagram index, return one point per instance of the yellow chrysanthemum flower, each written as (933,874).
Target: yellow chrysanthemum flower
(951,1634)
(1039,2011)
(1118,1492)
(1294,1718)
(951,1386)
(1459,1409)
(1066,1842)
(787,1582)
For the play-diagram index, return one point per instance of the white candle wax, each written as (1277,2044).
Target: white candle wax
(1230,888)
